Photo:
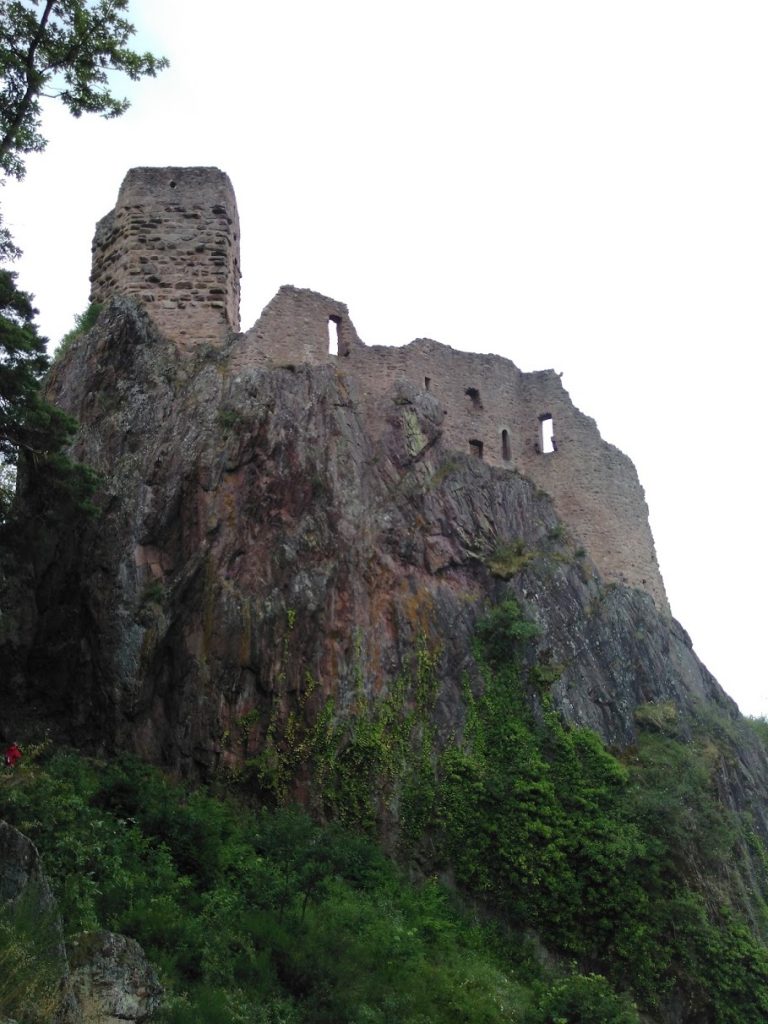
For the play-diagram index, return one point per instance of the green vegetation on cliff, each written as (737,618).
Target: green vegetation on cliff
(630,865)
(267,917)
(628,871)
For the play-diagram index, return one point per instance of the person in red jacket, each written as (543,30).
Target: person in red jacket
(12,755)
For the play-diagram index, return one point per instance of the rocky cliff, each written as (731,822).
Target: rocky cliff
(259,555)
(281,591)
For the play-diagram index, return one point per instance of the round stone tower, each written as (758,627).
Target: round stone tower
(172,243)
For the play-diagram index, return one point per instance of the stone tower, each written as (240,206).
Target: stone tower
(172,243)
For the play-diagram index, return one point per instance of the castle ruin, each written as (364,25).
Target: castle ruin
(172,244)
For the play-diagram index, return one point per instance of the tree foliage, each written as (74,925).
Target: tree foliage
(25,423)
(64,49)
(31,429)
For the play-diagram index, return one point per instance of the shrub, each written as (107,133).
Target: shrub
(759,726)
(83,323)
(509,559)
(503,634)
(661,717)
(583,999)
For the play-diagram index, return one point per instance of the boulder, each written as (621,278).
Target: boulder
(111,978)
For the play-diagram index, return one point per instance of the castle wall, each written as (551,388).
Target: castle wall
(172,242)
(301,326)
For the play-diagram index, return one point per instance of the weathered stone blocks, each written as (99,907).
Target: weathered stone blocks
(173,229)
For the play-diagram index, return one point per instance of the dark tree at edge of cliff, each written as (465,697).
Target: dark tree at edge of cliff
(30,428)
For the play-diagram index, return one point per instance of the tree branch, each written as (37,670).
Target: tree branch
(33,85)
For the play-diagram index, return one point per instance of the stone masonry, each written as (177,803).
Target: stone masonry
(172,244)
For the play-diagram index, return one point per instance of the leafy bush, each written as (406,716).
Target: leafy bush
(83,323)
(661,717)
(584,1000)
(759,726)
(509,559)
(255,917)
(503,634)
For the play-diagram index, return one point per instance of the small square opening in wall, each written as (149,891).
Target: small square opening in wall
(334,323)
(547,442)
(474,398)
(476,449)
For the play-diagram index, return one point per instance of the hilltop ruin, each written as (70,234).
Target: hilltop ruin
(172,244)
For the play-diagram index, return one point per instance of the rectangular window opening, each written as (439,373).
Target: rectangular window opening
(333,335)
(476,449)
(427,382)
(547,442)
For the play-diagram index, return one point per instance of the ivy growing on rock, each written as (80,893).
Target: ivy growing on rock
(617,862)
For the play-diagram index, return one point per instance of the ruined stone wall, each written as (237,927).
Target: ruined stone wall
(301,326)
(594,485)
(172,242)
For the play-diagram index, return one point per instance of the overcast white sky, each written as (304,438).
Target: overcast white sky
(578,185)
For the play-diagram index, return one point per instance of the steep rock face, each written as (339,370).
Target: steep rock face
(259,554)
